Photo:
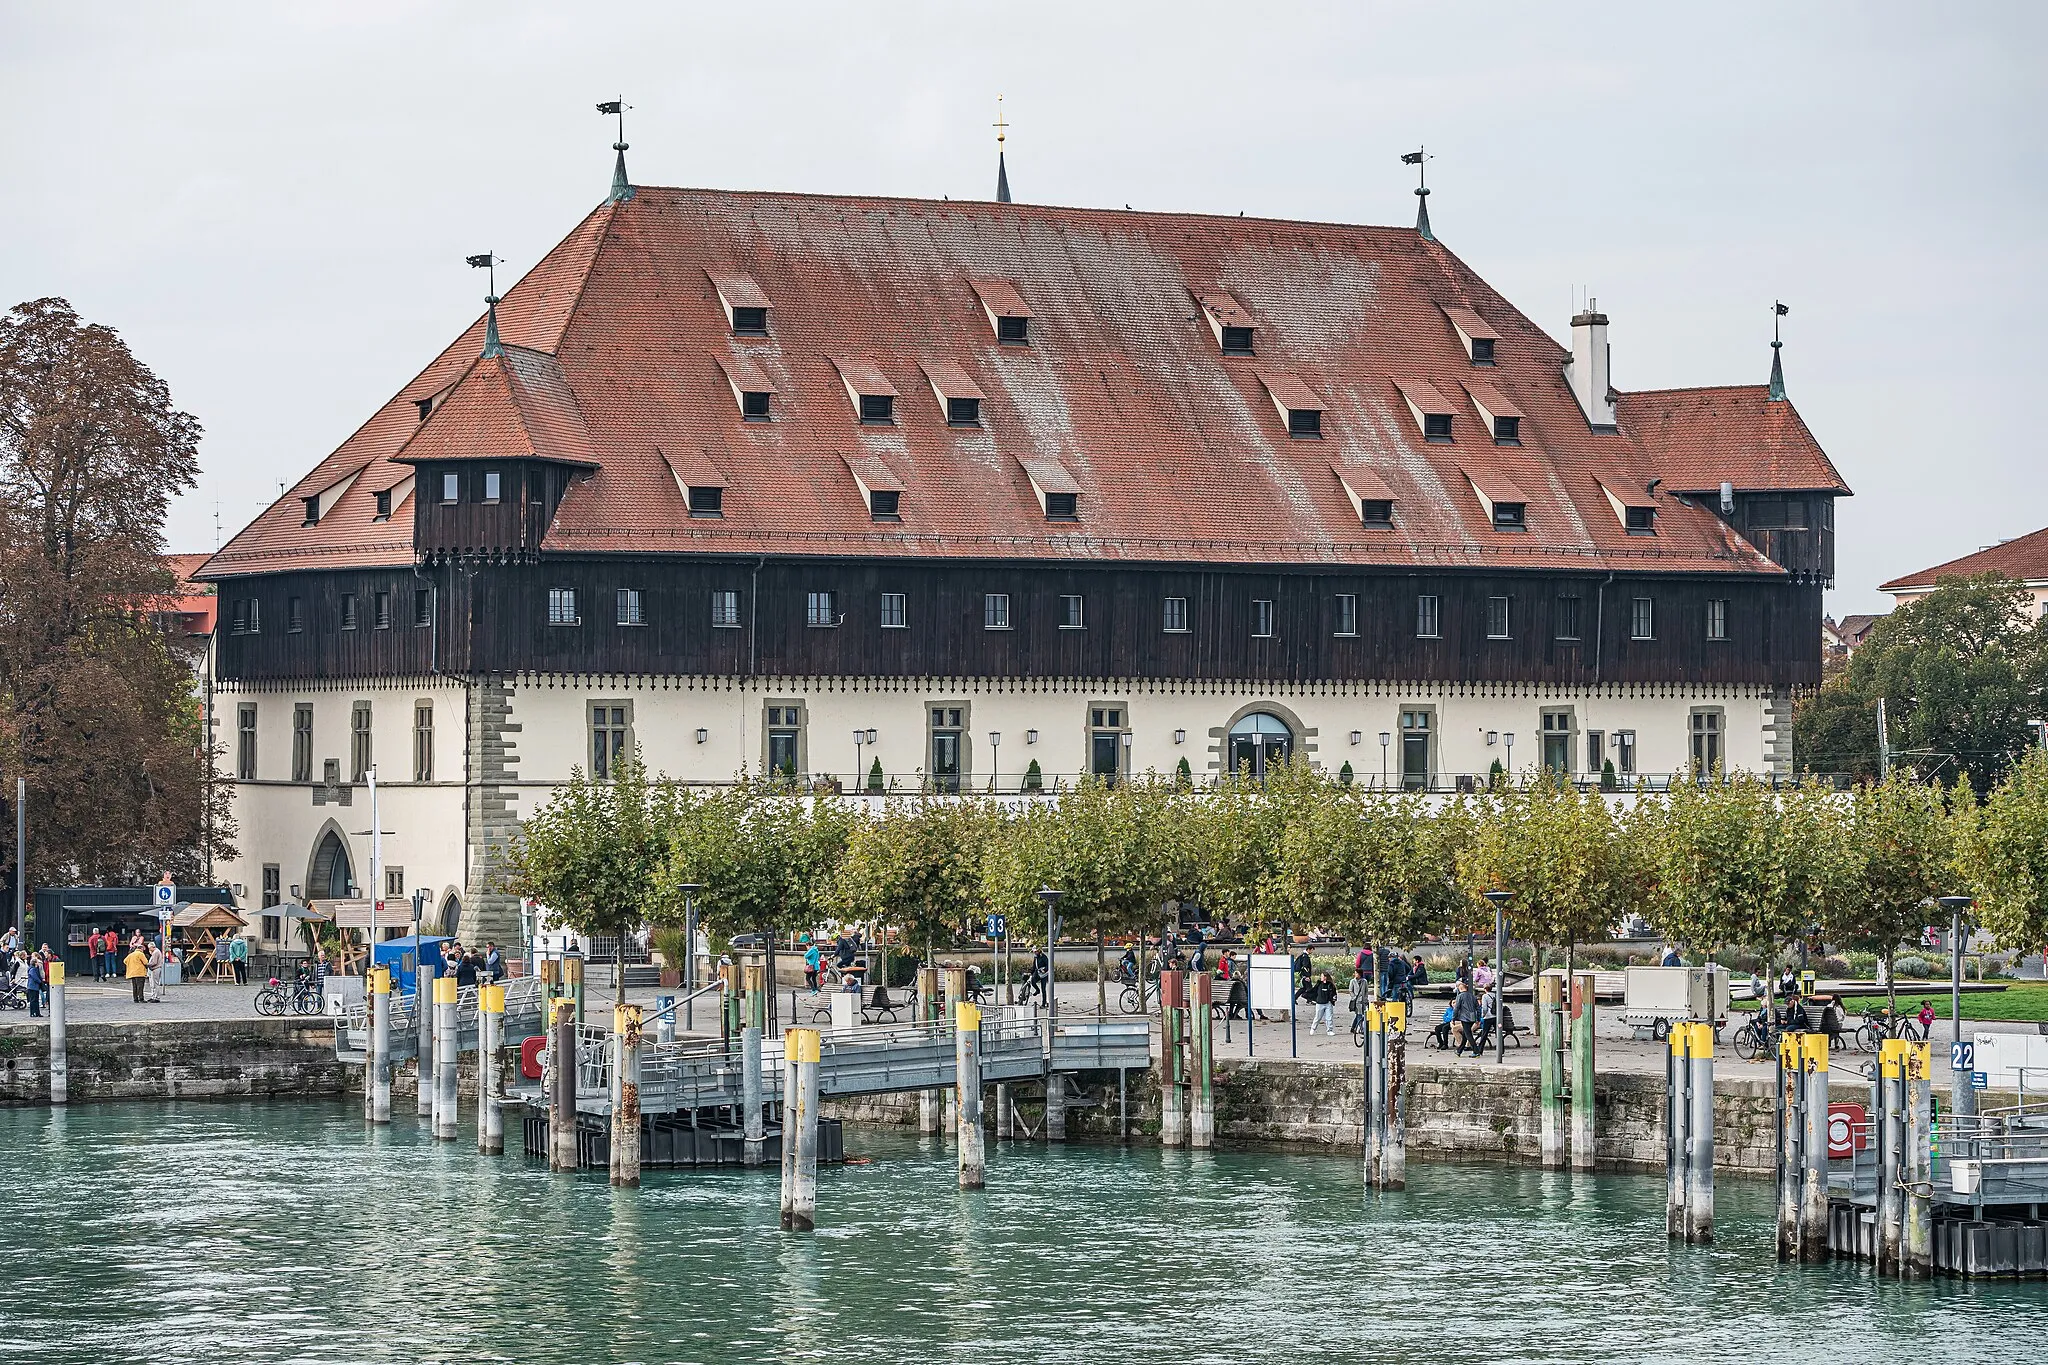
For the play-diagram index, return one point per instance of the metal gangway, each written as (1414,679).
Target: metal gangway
(352,1026)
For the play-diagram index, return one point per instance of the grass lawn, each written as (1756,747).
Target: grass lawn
(2020,1001)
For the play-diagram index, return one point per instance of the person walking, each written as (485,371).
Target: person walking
(1322,993)
(813,961)
(1361,999)
(137,967)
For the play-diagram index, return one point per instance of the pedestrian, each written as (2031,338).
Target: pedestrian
(44,957)
(1418,975)
(466,968)
(137,968)
(1322,993)
(153,992)
(92,953)
(10,943)
(1395,987)
(1482,977)
(238,956)
(28,975)
(113,944)
(1670,958)
(1926,1018)
(1361,1000)
(813,961)
(1465,1019)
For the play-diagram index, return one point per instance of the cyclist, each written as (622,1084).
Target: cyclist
(1127,966)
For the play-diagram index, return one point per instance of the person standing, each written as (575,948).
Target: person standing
(1322,993)
(92,953)
(137,966)
(1465,1019)
(153,991)
(238,956)
(1395,987)
(494,961)
(28,974)
(466,970)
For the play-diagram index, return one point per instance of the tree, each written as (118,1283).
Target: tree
(97,711)
(1560,852)
(1234,835)
(767,857)
(1373,865)
(1963,673)
(1899,854)
(916,868)
(2002,851)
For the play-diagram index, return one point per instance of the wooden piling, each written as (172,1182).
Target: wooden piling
(1056,1107)
(1675,1116)
(1202,1061)
(1916,1256)
(800,1130)
(930,1009)
(1173,1121)
(1584,1007)
(1550,1071)
(562,1152)
(1789,1111)
(572,979)
(753,1129)
(967,1094)
(447,1060)
(423,1036)
(60,1061)
(1891,1164)
(1813,1201)
(490,1070)
(625,1153)
(1699,1181)
(954,980)
(1394,1150)
(377,1066)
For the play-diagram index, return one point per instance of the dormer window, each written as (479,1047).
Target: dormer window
(750,322)
(1232,325)
(1376,512)
(1305,424)
(706,501)
(1509,516)
(1641,521)
(1298,405)
(1505,505)
(884,504)
(312,510)
(754,407)
(1370,497)
(751,389)
(746,306)
(1006,311)
(1473,334)
(1062,507)
(959,396)
(868,389)
(963,412)
(879,487)
(1496,413)
(878,409)
(1237,341)
(426,407)
(1436,426)
(383,505)
(1013,331)
(1431,411)
(1507,431)
(1482,350)
(1638,512)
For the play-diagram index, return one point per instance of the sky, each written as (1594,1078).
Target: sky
(272,202)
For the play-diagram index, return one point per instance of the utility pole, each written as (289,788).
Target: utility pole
(1884,745)
(21,856)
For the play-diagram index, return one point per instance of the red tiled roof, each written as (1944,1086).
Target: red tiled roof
(1696,438)
(738,289)
(1121,395)
(2023,557)
(1288,390)
(873,471)
(1227,310)
(1001,297)
(949,379)
(1470,323)
(745,375)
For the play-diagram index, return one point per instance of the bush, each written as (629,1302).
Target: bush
(1608,781)
(672,946)
(1183,775)
(1496,776)
(1834,966)
(875,776)
(1917,968)
(1034,779)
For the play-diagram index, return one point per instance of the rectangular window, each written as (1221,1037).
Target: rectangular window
(784,732)
(1175,616)
(348,611)
(1717,618)
(1482,350)
(1436,426)
(725,610)
(1376,511)
(423,606)
(1013,331)
(1062,506)
(294,615)
(302,742)
(240,624)
(1567,618)
(1641,521)
(360,754)
(749,322)
(754,408)
(630,613)
(562,607)
(895,611)
(493,485)
(382,604)
(1596,752)
(312,511)
(423,741)
(1416,758)
(878,409)
(1428,618)
(1706,743)
(995,611)
(383,505)
(609,738)
(885,504)
(1642,619)
(273,888)
(1305,423)
(451,488)
(1237,341)
(948,753)
(1625,750)
(819,609)
(1262,617)
(1507,431)
(1071,608)
(707,502)
(245,742)
(1557,742)
(1510,516)
(1496,618)
(1347,613)
(963,412)
(253,617)
(394,883)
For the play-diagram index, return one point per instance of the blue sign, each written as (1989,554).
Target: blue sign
(1979,1081)
(998,926)
(1962,1056)
(166,894)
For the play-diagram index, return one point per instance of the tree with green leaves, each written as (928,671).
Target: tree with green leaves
(1375,866)
(915,868)
(1562,855)
(1234,833)
(766,855)
(2002,855)
(1963,673)
(1898,851)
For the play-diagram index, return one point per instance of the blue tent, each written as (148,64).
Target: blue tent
(404,955)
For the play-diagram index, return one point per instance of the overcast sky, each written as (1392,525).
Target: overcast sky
(272,202)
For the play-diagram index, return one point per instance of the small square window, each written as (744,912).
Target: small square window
(312,510)
(1642,619)
(1567,618)
(1482,350)
(995,611)
(631,613)
(1641,521)
(1062,507)
(706,501)
(1428,618)
(1510,516)
(493,485)
(1174,618)
(562,607)
(423,606)
(1497,618)
(1262,617)
(383,505)
(1305,424)
(725,610)
(1717,618)
(1507,431)
(1347,613)
(381,604)
(1237,341)
(1013,331)
(878,409)
(885,504)
(1071,608)
(820,609)
(294,615)
(750,322)
(895,611)
(1376,511)
(963,412)
(754,407)
(348,611)
(1436,426)
(451,488)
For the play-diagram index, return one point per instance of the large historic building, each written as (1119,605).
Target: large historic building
(802,482)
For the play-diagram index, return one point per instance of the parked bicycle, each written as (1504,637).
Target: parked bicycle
(1753,1039)
(300,996)
(1879,1023)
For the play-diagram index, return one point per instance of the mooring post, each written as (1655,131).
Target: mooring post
(1675,1114)
(1699,1184)
(1005,1124)
(753,1129)
(60,1063)
(1550,1070)
(800,1131)
(490,1070)
(1916,1261)
(1056,1107)
(1891,1164)
(1375,1062)
(1202,1077)
(1173,1120)
(562,1153)
(625,1162)
(1393,1080)
(930,1010)
(967,1094)
(1583,1010)
(447,1059)
(377,1066)
(955,983)
(423,1041)
(572,979)
(1789,1116)
(1813,1204)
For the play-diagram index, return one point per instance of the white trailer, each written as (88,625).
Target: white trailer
(1655,998)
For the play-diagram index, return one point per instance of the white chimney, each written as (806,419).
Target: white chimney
(1587,371)
(1727,498)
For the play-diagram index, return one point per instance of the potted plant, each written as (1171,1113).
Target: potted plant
(1496,776)
(875,776)
(1608,781)
(1343,773)
(673,949)
(1034,779)
(1183,776)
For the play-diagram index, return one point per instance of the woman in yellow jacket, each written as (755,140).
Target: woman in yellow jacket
(136,965)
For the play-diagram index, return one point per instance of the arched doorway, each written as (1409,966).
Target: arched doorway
(451,915)
(1258,741)
(332,876)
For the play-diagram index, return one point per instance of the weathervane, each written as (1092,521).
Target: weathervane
(1778,310)
(621,187)
(1419,159)
(485,260)
(1002,171)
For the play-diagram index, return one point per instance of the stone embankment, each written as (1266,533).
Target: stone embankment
(174,1059)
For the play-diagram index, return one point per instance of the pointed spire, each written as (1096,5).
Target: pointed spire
(1778,310)
(485,260)
(1419,159)
(1002,171)
(622,188)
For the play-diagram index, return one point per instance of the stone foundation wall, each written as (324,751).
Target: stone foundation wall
(172,1060)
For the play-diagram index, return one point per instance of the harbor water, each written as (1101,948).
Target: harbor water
(229,1232)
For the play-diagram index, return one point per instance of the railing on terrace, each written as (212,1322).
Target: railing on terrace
(919,784)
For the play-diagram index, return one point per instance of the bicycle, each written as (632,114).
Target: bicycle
(1137,997)
(1753,1039)
(276,999)
(1880,1024)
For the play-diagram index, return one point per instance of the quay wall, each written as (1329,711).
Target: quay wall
(156,1060)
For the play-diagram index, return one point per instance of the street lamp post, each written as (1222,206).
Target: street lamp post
(995,741)
(1962,1096)
(1500,901)
(860,771)
(1052,900)
(1509,736)
(690,890)
(1386,738)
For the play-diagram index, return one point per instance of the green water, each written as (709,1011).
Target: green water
(245,1232)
